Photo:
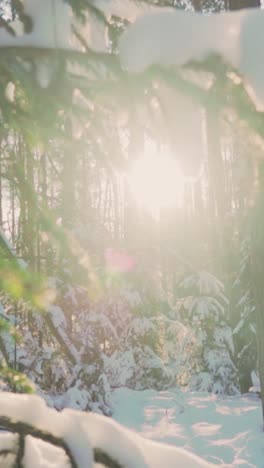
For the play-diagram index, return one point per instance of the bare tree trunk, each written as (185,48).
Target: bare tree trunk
(68,183)
(257,239)
(216,200)
(30,228)
(257,273)
(239,4)
(1,194)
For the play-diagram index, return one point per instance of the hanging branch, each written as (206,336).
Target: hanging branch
(24,429)
(6,25)
(18,8)
(213,98)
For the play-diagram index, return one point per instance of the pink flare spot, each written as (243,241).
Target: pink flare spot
(118,261)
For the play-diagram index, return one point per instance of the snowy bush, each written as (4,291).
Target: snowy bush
(211,344)
(79,348)
(138,362)
(138,368)
(244,320)
(182,352)
(62,359)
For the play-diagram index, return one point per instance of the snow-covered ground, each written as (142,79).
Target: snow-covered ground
(223,430)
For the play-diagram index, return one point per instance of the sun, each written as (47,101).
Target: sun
(156,181)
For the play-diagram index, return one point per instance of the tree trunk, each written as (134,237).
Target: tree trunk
(257,272)
(239,4)
(68,183)
(257,239)
(1,194)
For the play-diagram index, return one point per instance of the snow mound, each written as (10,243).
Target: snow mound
(81,435)
(223,430)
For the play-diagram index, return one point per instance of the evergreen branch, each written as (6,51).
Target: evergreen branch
(80,6)
(32,52)
(81,39)
(4,352)
(216,97)
(6,25)
(5,453)
(24,429)
(67,350)
(98,13)
(20,452)
(100,456)
(19,9)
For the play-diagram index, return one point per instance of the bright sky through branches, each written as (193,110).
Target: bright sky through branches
(156,181)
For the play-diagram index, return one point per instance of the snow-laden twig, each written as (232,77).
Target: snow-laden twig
(176,38)
(25,429)
(86,437)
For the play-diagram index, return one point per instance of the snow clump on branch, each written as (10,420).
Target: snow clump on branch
(85,437)
(176,38)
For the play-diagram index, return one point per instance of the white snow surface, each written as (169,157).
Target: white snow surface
(226,431)
(175,38)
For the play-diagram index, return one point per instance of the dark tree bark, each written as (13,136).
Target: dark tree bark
(68,177)
(240,4)
(1,201)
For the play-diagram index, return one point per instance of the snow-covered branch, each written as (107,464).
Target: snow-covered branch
(176,38)
(86,438)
